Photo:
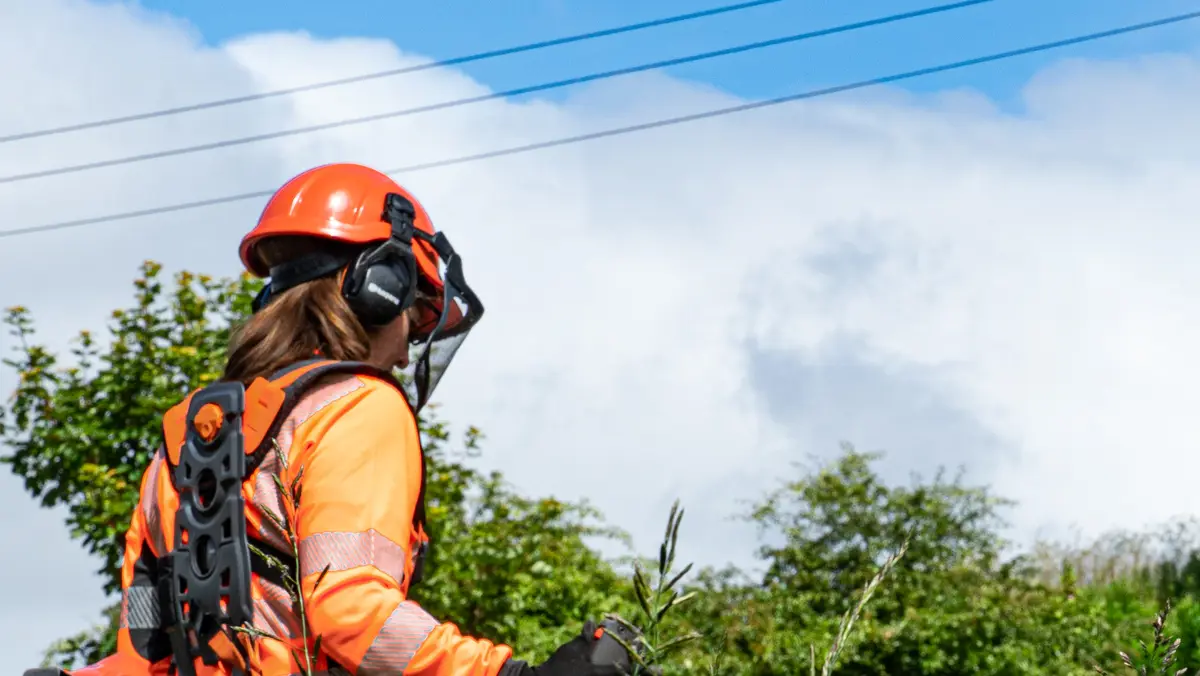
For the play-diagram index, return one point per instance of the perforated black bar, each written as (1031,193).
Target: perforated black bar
(210,573)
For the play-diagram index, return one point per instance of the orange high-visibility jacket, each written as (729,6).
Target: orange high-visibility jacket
(356,439)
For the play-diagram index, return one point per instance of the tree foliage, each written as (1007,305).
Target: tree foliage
(81,426)
(953,606)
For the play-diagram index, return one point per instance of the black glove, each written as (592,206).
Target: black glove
(592,653)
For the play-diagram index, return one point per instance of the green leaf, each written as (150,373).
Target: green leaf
(294,489)
(321,577)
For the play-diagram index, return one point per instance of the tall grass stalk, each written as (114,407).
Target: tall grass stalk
(656,596)
(852,615)
(1156,658)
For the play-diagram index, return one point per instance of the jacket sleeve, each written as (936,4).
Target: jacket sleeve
(142,645)
(361,477)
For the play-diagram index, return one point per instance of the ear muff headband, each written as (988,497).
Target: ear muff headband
(296,272)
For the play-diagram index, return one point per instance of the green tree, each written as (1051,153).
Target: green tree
(82,428)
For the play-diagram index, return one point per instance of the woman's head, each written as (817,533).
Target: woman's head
(311,318)
(356,274)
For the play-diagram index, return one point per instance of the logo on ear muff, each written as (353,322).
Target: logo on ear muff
(374,288)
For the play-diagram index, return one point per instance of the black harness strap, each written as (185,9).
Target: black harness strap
(268,570)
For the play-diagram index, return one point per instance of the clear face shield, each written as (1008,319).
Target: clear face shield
(441,326)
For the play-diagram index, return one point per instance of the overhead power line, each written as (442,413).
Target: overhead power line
(666,122)
(558,84)
(479,56)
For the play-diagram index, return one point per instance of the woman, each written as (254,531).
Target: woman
(355,283)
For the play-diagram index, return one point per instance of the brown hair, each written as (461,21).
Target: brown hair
(298,323)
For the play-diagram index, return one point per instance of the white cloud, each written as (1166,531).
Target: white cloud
(680,312)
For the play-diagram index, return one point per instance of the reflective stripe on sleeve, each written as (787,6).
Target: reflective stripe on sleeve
(398,641)
(140,608)
(343,551)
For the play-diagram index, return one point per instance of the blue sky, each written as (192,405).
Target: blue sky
(455,27)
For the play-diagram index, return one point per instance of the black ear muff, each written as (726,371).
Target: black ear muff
(378,285)
(381,283)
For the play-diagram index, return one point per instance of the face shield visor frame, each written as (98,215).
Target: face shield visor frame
(437,333)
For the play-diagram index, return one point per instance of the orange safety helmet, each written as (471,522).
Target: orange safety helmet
(342,203)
